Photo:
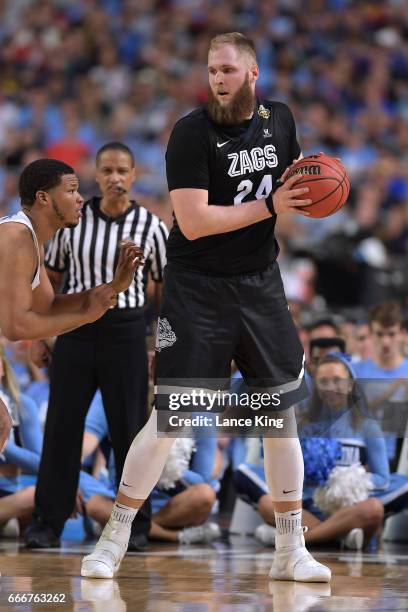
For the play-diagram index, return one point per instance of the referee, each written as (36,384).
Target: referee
(109,354)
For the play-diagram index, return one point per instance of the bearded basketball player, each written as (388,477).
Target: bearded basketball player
(223,295)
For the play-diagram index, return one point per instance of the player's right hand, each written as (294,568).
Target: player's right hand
(286,198)
(99,300)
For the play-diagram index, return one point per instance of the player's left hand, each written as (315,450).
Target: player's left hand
(284,176)
(287,198)
(130,258)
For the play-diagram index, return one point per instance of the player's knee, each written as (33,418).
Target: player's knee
(92,504)
(204,497)
(372,512)
(28,497)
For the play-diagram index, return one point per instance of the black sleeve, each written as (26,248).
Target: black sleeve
(187,157)
(295,149)
(289,123)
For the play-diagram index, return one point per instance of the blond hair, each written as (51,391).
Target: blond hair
(241,42)
(9,381)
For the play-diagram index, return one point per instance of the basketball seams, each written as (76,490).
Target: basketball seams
(327,195)
(340,202)
(343,199)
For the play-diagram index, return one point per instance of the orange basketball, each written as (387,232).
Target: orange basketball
(328,182)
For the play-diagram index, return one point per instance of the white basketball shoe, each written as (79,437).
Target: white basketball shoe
(105,560)
(293,562)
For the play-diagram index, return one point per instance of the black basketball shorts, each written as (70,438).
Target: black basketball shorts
(207,321)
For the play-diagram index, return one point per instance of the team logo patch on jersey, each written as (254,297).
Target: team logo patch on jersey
(165,335)
(263,112)
(266,133)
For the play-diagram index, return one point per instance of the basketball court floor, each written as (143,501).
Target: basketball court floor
(228,575)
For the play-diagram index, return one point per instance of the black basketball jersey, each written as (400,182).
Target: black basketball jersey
(234,164)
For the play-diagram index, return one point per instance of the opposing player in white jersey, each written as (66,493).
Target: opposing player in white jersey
(29,308)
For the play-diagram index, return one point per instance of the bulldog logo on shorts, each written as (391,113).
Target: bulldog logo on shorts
(165,335)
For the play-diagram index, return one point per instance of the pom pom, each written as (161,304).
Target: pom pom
(320,456)
(177,462)
(345,486)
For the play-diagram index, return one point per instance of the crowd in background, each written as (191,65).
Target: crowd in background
(206,475)
(74,75)
(77,74)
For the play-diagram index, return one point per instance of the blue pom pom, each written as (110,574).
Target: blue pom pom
(320,456)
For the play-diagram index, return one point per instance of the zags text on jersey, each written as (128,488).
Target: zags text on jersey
(249,161)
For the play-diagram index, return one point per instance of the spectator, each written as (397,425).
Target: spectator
(364,341)
(320,347)
(358,432)
(22,451)
(354,522)
(24,369)
(385,375)
(323,328)
(70,149)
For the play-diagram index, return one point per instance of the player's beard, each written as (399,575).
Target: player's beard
(237,110)
(61,216)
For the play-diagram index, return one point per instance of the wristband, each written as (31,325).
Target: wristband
(269,204)
(269,199)
(277,184)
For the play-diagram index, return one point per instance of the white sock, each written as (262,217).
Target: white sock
(122,514)
(288,525)
(288,522)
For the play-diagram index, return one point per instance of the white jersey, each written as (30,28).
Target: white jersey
(21,217)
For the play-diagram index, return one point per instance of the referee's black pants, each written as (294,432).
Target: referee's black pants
(109,354)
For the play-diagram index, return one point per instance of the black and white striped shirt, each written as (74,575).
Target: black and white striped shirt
(88,253)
